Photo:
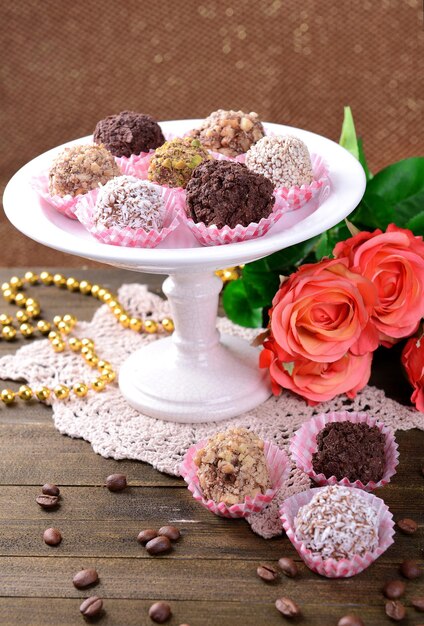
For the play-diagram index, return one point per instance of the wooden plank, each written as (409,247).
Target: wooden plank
(41,454)
(65,612)
(220,580)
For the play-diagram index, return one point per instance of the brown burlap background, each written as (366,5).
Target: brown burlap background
(67,64)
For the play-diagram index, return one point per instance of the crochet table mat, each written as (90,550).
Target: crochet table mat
(116,430)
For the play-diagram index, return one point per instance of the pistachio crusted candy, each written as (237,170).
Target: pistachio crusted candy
(232,466)
(173,163)
(79,169)
(337,523)
(284,160)
(227,193)
(129,201)
(129,133)
(230,132)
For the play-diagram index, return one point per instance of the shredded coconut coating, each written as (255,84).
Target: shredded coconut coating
(337,523)
(284,160)
(129,201)
(79,169)
(232,466)
(230,132)
(173,163)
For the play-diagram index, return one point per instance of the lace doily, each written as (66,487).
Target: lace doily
(116,430)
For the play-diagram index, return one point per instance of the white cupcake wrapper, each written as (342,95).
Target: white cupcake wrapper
(341,568)
(278,467)
(66,205)
(126,236)
(304,443)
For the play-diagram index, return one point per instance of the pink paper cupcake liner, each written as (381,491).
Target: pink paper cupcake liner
(278,467)
(66,205)
(304,444)
(213,236)
(341,568)
(127,236)
(135,165)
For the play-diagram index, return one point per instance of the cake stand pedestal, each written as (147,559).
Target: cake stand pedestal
(195,375)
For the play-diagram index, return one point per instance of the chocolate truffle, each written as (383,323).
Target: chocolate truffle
(232,466)
(354,451)
(173,163)
(284,160)
(337,523)
(81,168)
(227,193)
(129,133)
(129,201)
(229,132)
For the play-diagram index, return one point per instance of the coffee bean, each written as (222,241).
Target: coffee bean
(91,607)
(350,620)
(267,572)
(288,567)
(172,532)
(146,535)
(47,502)
(418,603)
(411,569)
(160,612)
(407,526)
(50,490)
(116,482)
(395,610)
(52,537)
(158,545)
(85,578)
(287,607)
(394,589)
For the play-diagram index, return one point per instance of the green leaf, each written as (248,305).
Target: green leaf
(329,238)
(416,224)
(401,187)
(260,287)
(238,307)
(363,160)
(373,212)
(284,261)
(348,137)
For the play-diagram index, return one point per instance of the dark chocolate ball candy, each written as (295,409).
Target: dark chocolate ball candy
(226,193)
(129,133)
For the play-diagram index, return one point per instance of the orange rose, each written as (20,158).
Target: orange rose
(316,382)
(413,362)
(323,311)
(394,262)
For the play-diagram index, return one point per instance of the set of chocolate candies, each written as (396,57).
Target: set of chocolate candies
(338,528)
(227,180)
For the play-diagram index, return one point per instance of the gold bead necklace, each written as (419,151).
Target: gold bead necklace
(59,332)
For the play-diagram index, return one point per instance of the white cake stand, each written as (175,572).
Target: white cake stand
(195,375)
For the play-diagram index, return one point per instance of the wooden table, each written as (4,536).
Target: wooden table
(210,577)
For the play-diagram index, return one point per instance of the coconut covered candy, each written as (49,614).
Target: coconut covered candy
(284,160)
(129,133)
(224,193)
(173,163)
(79,169)
(127,201)
(337,523)
(232,466)
(230,132)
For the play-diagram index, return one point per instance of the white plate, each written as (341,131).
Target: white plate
(39,221)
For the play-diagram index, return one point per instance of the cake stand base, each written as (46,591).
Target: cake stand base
(156,381)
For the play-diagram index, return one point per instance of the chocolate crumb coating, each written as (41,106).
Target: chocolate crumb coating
(129,133)
(354,451)
(227,193)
